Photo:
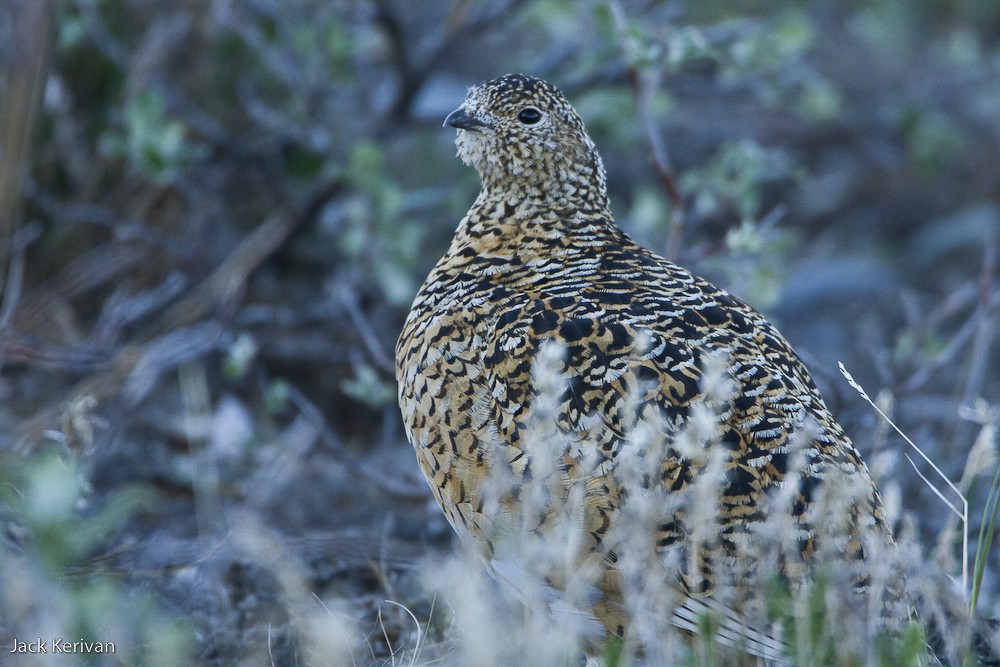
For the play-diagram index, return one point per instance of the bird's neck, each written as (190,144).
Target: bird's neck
(529,198)
(553,185)
(520,221)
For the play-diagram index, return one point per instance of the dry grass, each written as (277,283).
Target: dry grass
(507,611)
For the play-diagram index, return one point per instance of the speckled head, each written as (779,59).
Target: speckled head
(522,136)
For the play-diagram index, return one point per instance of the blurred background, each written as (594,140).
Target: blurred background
(214,215)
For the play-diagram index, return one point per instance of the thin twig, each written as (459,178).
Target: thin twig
(197,402)
(219,290)
(24,68)
(957,343)
(371,341)
(390,484)
(413,72)
(14,281)
(984,335)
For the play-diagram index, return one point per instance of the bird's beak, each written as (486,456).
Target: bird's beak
(463,121)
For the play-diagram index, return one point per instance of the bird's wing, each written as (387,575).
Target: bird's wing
(595,376)
(594,403)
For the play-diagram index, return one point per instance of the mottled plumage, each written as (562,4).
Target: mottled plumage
(538,258)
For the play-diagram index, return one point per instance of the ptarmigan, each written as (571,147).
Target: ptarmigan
(663,419)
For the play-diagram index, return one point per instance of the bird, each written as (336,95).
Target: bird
(558,380)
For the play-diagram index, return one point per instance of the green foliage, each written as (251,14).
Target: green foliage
(604,108)
(985,542)
(614,652)
(932,140)
(320,39)
(706,650)
(240,357)
(756,248)
(814,635)
(72,597)
(277,396)
(48,490)
(820,101)
(769,48)
(889,27)
(915,348)
(368,386)
(649,46)
(648,216)
(732,180)
(301,162)
(70,28)
(377,234)
(152,142)
(555,17)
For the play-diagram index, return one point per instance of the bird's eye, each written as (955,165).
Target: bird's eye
(529,115)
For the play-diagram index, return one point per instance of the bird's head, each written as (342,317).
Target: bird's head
(523,137)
